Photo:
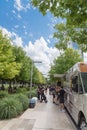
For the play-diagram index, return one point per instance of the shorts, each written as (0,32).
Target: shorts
(61,100)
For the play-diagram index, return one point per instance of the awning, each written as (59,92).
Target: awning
(59,75)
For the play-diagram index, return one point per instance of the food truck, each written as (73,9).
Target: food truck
(76,93)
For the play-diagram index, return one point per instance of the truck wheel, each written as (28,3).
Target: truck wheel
(83,125)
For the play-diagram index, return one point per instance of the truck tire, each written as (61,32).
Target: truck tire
(82,125)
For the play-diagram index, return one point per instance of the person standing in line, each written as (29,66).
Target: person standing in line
(61,99)
(53,93)
(58,92)
(38,93)
(46,90)
(43,96)
(57,89)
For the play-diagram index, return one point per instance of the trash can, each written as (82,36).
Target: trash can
(32,103)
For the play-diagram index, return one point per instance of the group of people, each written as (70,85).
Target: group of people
(58,95)
(41,93)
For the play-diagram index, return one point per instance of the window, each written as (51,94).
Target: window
(75,84)
(84,81)
(80,86)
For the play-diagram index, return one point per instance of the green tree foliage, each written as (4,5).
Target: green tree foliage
(41,78)
(19,54)
(25,62)
(66,33)
(62,34)
(79,35)
(38,76)
(25,70)
(74,14)
(8,67)
(65,61)
(74,11)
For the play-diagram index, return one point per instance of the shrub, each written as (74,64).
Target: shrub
(10,108)
(3,94)
(33,93)
(21,90)
(23,99)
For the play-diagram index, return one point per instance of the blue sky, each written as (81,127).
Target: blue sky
(20,17)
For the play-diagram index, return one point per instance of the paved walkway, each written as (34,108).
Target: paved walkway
(45,116)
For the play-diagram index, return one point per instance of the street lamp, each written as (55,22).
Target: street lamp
(31,74)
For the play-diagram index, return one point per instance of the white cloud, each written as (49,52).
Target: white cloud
(39,51)
(20,6)
(16,39)
(5,32)
(48,41)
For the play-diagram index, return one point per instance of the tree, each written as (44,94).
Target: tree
(25,62)
(65,33)
(37,76)
(62,35)
(14,63)
(65,61)
(8,67)
(75,12)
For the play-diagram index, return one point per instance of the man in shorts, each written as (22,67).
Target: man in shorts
(61,99)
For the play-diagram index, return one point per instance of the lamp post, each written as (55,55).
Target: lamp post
(31,74)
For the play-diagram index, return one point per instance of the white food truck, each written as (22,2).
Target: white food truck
(76,94)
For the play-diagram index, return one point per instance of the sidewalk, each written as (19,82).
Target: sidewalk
(45,116)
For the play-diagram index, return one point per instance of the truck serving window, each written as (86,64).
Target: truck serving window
(75,84)
(84,80)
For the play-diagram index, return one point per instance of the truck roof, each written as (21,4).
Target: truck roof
(79,66)
(82,67)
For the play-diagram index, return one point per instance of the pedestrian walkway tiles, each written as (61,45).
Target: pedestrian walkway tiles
(19,124)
